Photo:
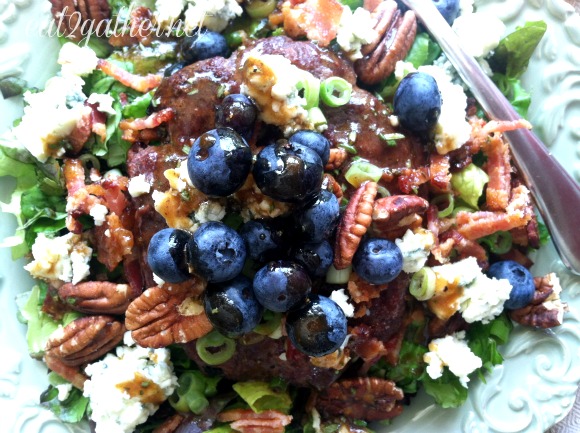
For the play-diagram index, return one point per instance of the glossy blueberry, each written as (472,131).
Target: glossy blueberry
(231,306)
(288,172)
(166,255)
(219,162)
(203,44)
(216,252)
(377,261)
(520,278)
(417,102)
(448,8)
(315,141)
(237,111)
(318,327)
(264,238)
(315,258)
(281,285)
(172,69)
(318,221)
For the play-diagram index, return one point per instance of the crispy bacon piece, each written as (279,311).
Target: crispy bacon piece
(248,421)
(316,19)
(465,247)
(136,82)
(499,172)
(475,225)
(134,128)
(412,178)
(79,201)
(439,175)
(82,131)
(73,374)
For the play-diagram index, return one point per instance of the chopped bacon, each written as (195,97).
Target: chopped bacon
(475,225)
(248,421)
(466,248)
(149,122)
(82,131)
(113,241)
(481,130)
(411,179)
(136,82)
(499,172)
(316,19)
(439,175)
(79,201)
(98,122)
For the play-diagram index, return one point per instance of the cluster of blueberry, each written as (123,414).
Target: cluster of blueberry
(291,254)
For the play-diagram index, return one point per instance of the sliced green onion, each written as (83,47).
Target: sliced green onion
(192,392)
(423,284)
(260,8)
(271,323)
(461,208)
(444,198)
(316,117)
(391,139)
(236,38)
(214,348)
(361,171)
(335,276)
(310,87)
(335,91)
(348,147)
(87,158)
(498,242)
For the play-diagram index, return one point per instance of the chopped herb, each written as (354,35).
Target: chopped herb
(348,147)
(391,139)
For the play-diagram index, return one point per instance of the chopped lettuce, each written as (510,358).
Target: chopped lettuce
(70,409)
(513,90)
(139,106)
(424,51)
(193,391)
(469,184)
(483,340)
(512,55)
(408,371)
(261,396)
(447,390)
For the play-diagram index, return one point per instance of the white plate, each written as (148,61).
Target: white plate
(534,388)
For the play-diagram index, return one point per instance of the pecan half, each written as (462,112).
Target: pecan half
(391,214)
(336,159)
(248,421)
(75,18)
(546,309)
(330,184)
(396,35)
(354,224)
(96,297)
(164,316)
(85,339)
(367,398)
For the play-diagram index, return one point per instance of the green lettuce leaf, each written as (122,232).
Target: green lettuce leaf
(512,55)
(483,340)
(261,396)
(408,371)
(72,409)
(423,51)
(515,93)
(469,184)
(446,390)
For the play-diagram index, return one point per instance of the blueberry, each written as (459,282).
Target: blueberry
(203,44)
(219,162)
(264,238)
(448,8)
(281,285)
(238,112)
(318,327)
(166,255)
(377,261)
(172,69)
(520,278)
(231,306)
(288,172)
(417,102)
(216,252)
(315,141)
(318,221)
(316,258)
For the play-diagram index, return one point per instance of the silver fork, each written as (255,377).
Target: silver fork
(556,193)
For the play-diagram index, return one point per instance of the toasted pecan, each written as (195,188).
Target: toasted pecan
(396,213)
(96,297)
(76,18)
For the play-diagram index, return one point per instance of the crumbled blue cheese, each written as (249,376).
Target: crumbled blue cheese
(464,288)
(211,14)
(341,298)
(103,102)
(138,186)
(76,60)
(126,388)
(274,83)
(64,390)
(355,30)
(99,213)
(453,352)
(479,32)
(415,247)
(65,258)
(210,210)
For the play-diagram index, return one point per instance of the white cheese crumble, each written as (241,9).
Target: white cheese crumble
(415,247)
(103,102)
(482,298)
(453,352)
(479,32)
(126,388)
(212,14)
(64,390)
(211,210)
(138,186)
(274,83)
(341,298)
(158,280)
(99,213)
(77,60)
(65,258)
(355,30)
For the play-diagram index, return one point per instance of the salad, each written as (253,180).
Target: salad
(269,216)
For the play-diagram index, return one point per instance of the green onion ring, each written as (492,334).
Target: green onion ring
(423,284)
(444,198)
(335,91)
(224,348)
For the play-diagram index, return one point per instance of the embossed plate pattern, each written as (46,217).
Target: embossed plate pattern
(535,387)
